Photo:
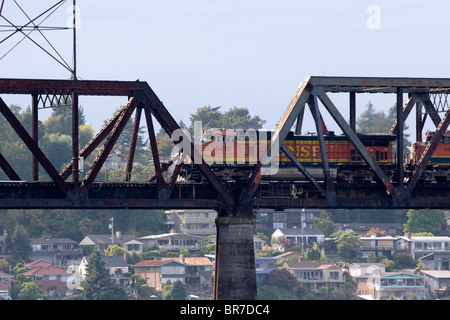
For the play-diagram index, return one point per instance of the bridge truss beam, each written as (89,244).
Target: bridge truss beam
(401,192)
(234,201)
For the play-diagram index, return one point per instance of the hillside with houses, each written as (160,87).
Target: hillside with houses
(302,254)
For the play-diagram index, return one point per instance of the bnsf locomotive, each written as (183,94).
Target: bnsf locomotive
(232,155)
(438,166)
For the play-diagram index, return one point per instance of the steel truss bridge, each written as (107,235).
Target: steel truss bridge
(234,202)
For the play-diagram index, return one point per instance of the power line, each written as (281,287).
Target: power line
(31,26)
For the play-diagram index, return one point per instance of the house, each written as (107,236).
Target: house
(193,222)
(361,228)
(436,261)
(103,241)
(258,244)
(3,246)
(38,264)
(421,246)
(116,266)
(386,285)
(115,161)
(315,275)
(290,255)
(51,279)
(363,274)
(360,269)
(5,283)
(173,242)
(400,285)
(438,281)
(263,266)
(380,245)
(447,220)
(189,270)
(295,236)
(289,218)
(60,251)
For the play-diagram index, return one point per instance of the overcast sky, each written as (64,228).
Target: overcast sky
(247,53)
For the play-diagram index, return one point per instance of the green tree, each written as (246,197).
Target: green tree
(262,237)
(347,290)
(178,291)
(114,250)
(97,284)
(424,221)
(86,133)
(348,244)
(366,121)
(30,291)
(60,121)
(12,148)
(140,288)
(4,265)
(124,140)
(390,265)
(134,258)
(378,122)
(314,254)
(418,267)
(234,118)
(324,223)
(282,278)
(56,141)
(403,260)
(20,268)
(271,292)
(209,117)
(371,257)
(167,290)
(164,143)
(240,118)
(20,243)
(303,293)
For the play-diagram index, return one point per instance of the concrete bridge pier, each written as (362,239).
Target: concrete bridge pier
(235,275)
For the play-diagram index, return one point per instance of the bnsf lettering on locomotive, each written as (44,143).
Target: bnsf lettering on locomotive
(304,151)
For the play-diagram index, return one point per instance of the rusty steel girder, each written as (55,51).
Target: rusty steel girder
(312,89)
(422,93)
(141,96)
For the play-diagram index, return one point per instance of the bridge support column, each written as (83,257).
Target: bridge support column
(234,274)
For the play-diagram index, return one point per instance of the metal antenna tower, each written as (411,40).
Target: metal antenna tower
(36,24)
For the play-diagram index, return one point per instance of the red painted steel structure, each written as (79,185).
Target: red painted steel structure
(141,97)
(411,193)
(235,276)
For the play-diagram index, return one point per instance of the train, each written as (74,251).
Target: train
(232,155)
(438,166)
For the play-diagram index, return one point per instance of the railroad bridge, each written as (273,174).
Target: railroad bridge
(235,201)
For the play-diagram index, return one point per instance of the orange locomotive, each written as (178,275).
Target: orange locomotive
(232,154)
(438,166)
